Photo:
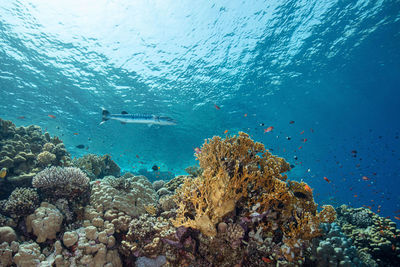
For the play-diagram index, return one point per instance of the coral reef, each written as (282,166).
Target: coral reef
(24,151)
(236,209)
(28,255)
(131,201)
(376,238)
(7,234)
(96,167)
(240,175)
(334,248)
(21,202)
(194,171)
(145,235)
(67,182)
(45,222)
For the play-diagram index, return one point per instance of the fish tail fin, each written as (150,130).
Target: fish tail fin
(105,115)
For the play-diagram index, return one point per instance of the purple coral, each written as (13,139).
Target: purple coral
(61,182)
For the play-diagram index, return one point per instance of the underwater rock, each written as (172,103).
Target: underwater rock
(97,167)
(149,262)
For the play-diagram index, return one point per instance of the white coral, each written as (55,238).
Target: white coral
(45,222)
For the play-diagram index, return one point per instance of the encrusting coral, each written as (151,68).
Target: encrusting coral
(239,174)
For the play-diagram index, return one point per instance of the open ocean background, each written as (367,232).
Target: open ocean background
(332,67)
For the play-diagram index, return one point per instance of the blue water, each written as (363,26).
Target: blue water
(332,67)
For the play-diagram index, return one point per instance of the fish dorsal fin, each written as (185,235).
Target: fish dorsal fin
(124,112)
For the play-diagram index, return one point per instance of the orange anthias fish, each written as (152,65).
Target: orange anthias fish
(197,150)
(21,117)
(270,128)
(245,114)
(397,218)
(308,188)
(365,178)
(75,133)
(51,116)
(326,179)
(225,131)
(266,260)
(217,107)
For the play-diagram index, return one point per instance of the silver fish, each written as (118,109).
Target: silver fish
(125,117)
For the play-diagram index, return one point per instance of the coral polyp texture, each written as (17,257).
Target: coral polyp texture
(60,182)
(241,175)
(25,151)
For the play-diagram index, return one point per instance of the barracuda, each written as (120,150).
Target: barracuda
(125,117)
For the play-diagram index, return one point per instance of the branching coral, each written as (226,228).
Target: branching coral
(60,182)
(233,168)
(241,177)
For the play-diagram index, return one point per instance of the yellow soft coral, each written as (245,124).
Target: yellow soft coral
(233,168)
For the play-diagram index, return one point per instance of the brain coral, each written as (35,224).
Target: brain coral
(67,182)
